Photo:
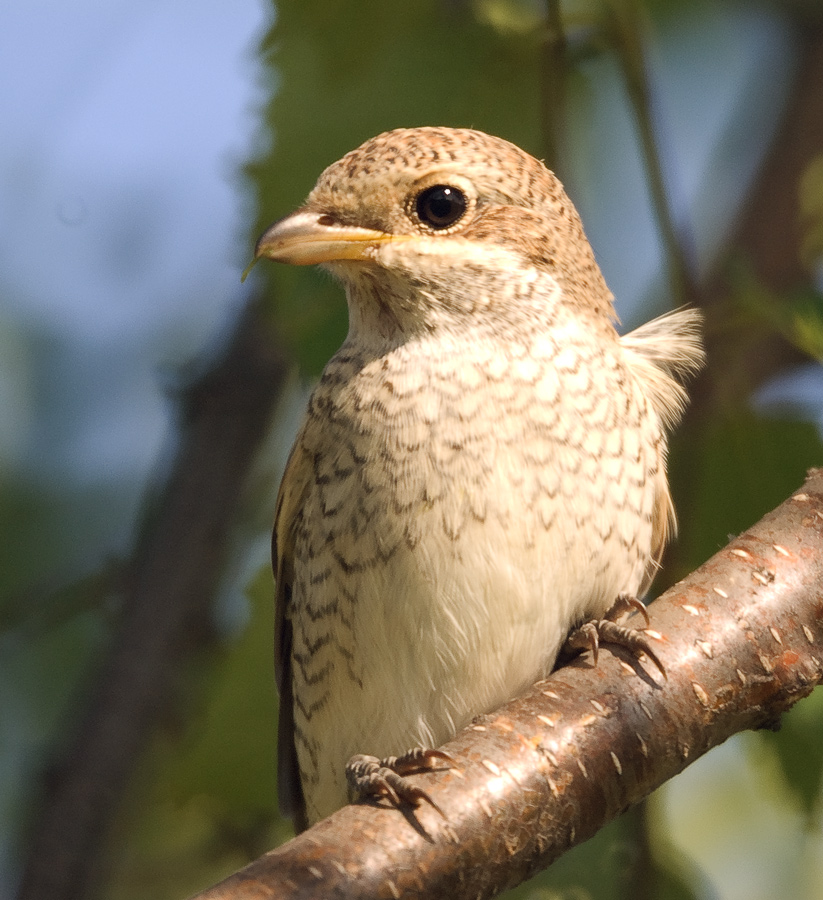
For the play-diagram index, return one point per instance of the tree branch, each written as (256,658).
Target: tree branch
(742,640)
(629,39)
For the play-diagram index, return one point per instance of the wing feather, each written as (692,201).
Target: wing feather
(286,523)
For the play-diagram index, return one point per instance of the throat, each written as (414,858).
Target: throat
(383,311)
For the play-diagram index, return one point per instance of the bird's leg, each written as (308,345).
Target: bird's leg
(369,776)
(590,635)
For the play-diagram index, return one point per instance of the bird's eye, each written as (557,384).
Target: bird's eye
(440,206)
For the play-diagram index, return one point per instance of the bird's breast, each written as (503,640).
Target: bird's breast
(541,455)
(466,508)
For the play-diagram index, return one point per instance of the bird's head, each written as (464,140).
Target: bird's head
(436,221)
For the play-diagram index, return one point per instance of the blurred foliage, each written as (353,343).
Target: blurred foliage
(796,315)
(203,801)
(34,544)
(799,747)
(811,211)
(604,867)
(733,469)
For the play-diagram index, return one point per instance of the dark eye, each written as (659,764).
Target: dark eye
(441,206)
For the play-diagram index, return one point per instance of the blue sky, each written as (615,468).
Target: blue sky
(120,217)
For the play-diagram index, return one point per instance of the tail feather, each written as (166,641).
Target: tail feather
(662,353)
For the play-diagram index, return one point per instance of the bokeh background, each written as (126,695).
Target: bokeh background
(143,147)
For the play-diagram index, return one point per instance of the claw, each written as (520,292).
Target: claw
(627,603)
(606,630)
(631,639)
(586,637)
(371,776)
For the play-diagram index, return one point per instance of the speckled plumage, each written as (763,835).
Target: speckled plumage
(481,467)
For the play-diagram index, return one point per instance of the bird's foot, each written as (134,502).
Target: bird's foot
(607,630)
(369,776)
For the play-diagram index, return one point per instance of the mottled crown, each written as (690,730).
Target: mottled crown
(510,171)
(520,204)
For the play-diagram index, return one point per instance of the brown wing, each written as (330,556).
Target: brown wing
(287,518)
(664,523)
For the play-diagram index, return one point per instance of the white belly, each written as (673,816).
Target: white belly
(424,638)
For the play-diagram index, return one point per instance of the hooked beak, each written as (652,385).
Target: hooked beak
(305,238)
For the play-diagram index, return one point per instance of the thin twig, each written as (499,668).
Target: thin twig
(628,29)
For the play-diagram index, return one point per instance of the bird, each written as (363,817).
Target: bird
(481,469)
